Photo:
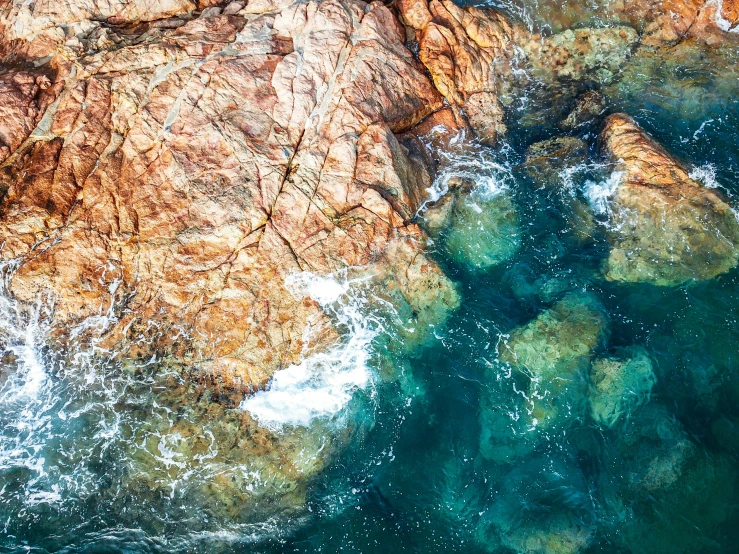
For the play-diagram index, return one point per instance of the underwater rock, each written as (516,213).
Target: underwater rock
(545,160)
(482,231)
(619,384)
(559,339)
(560,536)
(587,108)
(553,351)
(189,165)
(666,228)
(475,219)
(533,526)
(664,476)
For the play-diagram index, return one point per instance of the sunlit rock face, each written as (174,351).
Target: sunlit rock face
(176,172)
(466,50)
(667,228)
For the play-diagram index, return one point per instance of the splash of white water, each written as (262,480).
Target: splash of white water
(322,384)
(599,194)
(471,163)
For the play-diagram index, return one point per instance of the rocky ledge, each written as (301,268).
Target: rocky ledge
(165,166)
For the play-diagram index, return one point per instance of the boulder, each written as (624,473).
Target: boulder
(666,227)
(587,108)
(619,384)
(553,351)
(188,166)
(546,160)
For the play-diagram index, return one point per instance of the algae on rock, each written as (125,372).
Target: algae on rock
(620,384)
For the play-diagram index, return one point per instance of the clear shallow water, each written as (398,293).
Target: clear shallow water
(432,450)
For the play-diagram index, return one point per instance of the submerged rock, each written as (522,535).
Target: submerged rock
(619,385)
(545,160)
(666,227)
(664,476)
(587,108)
(587,55)
(558,340)
(532,526)
(483,231)
(553,351)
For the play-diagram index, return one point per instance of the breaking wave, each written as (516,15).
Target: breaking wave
(323,383)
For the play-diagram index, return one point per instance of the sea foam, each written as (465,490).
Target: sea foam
(323,383)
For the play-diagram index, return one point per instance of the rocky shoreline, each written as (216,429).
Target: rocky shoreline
(170,166)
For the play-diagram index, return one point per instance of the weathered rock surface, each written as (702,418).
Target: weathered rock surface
(667,228)
(180,172)
(465,50)
(667,22)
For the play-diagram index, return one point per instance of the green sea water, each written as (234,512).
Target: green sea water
(439,444)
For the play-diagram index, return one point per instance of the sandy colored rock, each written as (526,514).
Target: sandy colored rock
(465,49)
(181,176)
(667,228)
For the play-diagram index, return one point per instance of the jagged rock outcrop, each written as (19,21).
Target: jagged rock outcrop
(481,61)
(667,22)
(465,50)
(179,170)
(667,228)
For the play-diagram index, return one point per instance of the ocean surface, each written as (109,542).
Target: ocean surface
(392,442)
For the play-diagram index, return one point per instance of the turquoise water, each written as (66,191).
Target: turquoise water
(438,451)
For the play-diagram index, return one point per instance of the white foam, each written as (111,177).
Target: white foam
(473,164)
(322,384)
(599,194)
(705,174)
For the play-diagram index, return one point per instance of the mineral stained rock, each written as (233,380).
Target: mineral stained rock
(466,50)
(169,172)
(667,228)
